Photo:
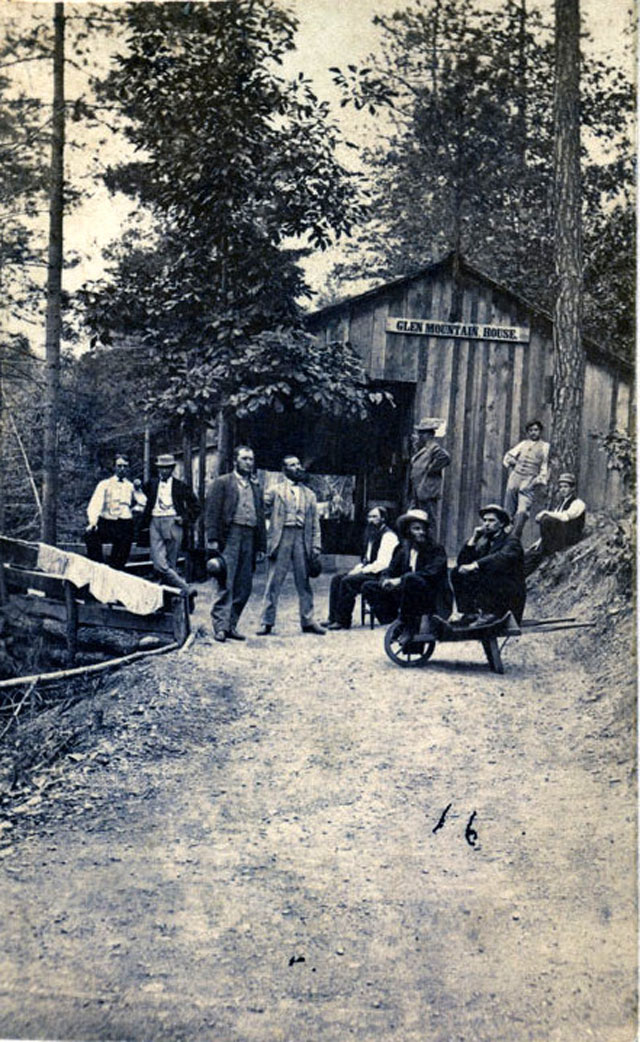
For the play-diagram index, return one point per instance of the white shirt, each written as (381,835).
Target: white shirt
(573,511)
(413,559)
(388,544)
(113,499)
(164,499)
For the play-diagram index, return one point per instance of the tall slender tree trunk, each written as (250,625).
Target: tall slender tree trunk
(569,361)
(54,288)
(202,481)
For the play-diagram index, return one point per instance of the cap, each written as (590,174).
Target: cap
(166,460)
(495,508)
(429,423)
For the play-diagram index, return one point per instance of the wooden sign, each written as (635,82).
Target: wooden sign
(459,330)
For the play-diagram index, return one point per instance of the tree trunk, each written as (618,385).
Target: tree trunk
(226,424)
(54,288)
(146,453)
(202,481)
(569,362)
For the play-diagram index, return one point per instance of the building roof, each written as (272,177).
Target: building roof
(594,350)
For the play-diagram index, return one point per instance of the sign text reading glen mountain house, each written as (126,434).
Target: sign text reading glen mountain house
(468,331)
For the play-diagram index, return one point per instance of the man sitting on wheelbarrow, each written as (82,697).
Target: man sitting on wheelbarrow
(416,582)
(489,578)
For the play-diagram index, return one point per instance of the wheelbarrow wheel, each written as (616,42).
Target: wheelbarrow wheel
(410,655)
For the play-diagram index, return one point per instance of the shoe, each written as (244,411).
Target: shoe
(336,626)
(463,620)
(264,630)
(314,627)
(233,634)
(220,636)
(327,623)
(482,619)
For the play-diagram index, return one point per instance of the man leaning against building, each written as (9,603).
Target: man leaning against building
(110,515)
(528,465)
(293,540)
(236,529)
(427,465)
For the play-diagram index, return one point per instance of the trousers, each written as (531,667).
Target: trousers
(414,597)
(343,591)
(119,533)
(238,554)
(290,552)
(165,540)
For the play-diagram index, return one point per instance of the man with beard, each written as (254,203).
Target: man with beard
(379,543)
(293,540)
(489,578)
(235,528)
(416,582)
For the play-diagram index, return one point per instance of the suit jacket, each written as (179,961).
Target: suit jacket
(431,565)
(184,500)
(221,503)
(275,508)
(426,470)
(501,566)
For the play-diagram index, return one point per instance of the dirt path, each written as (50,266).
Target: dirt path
(245,852)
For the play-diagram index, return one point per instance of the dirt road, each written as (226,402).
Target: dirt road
(246,849)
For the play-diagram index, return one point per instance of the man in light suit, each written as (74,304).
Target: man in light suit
(293,539)
(235,527)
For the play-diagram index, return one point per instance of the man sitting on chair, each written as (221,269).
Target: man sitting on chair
(489,578)
(379,543)
(416,582)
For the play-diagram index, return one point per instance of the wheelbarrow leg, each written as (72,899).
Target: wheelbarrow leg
(492,651)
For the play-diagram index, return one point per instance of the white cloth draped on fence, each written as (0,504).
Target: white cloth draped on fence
(105,584)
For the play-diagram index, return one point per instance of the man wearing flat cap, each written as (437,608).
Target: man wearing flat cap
(427,464)
(416,582)
(171,506)
(559,528)
(488,580)
(110,514)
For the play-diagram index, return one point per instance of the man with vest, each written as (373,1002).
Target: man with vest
(488,580)
(110,514)
(379,543)
(293,540)
(171,506)
(236,529)
(427,464)
(416,582)
(559,528)
(528,465)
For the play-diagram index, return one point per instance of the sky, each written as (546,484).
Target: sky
(331,32)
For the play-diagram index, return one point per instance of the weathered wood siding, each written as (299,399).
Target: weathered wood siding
(486,390)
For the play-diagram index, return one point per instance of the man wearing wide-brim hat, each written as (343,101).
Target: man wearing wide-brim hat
(171,507)
(488,580)
(416,581)
(559,528)
(427,465)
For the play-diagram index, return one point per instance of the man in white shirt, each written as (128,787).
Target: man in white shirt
(170,507)
(379,543)
(110,514)
(559,528)
(528,466)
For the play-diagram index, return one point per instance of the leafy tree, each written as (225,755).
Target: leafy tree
(468,162)
(236,163)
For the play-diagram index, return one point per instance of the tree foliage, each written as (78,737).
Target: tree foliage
(467,164)
(235,163)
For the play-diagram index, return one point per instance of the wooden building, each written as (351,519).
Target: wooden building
(456,344)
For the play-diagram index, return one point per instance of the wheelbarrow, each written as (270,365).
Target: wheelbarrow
(434,630)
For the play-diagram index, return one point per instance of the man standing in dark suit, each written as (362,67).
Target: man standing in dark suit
(236,529)
(489,578)
(170,506)
(416,582)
